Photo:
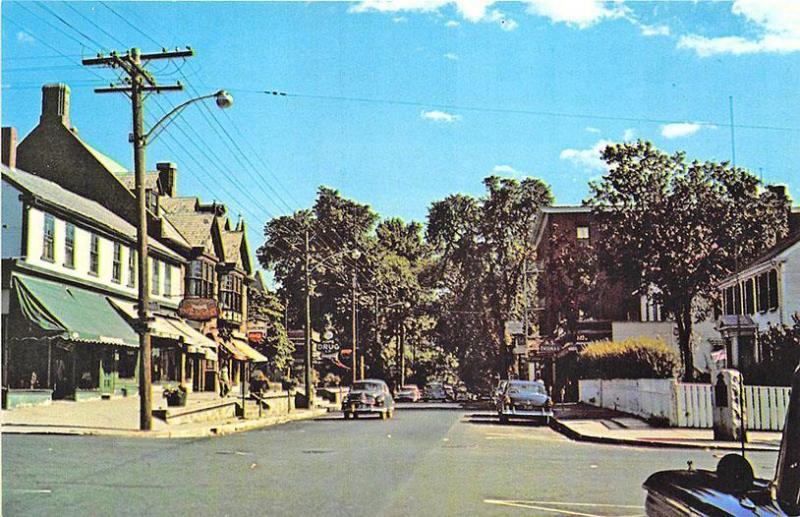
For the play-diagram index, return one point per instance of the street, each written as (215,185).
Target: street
(423,462)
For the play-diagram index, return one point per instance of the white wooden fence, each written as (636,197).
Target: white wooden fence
(685,404)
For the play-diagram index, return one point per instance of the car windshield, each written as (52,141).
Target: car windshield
(367,386)
(527,387)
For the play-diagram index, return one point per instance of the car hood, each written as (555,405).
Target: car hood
(527,396)
(367,393)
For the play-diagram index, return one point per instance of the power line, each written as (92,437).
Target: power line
(486,109)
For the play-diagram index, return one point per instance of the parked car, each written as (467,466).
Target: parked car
(408,393)
(370,396)
(733,489)
(434,391)
(463,394)
(525,399)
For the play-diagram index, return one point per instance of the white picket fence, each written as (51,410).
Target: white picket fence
(685,404)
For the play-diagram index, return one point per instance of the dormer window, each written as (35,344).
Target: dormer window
(151,199)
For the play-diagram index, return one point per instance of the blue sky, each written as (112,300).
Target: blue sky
(450,91)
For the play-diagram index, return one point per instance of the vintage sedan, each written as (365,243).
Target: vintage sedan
(368,397)
(525,399)
(408,393)
(434,391)
(733,489)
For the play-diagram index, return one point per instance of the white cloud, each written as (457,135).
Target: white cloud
(508,170)
(24,37)
(681,129)
(591,129)
(451,23)
(653,30)
(587,158)
(472,10)
(577,13)
(399,19)
(451,56)
(439,116)
(778,22)
(628,135)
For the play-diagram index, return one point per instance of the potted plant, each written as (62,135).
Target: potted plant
(175,395)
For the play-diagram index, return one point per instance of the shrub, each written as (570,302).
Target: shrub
(634,358)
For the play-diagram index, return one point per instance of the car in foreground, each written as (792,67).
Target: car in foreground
(434,391)
(368,397)
(525,399)
(733,489)
(408,393)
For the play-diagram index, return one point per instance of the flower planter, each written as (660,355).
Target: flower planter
(175,398)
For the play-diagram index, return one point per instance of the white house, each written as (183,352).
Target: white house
(764,293)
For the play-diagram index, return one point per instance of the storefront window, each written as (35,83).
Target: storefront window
(131,267)
(231,292)
(126,365)
(155,282)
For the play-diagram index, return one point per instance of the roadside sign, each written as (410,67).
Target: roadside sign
(514,327)
(198,309)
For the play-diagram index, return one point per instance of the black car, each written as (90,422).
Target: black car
(732,489)
(370,396)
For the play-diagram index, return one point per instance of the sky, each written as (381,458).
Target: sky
(398,104)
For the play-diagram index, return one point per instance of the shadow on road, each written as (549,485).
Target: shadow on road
(487,419)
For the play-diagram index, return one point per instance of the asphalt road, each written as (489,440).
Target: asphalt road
(424,462)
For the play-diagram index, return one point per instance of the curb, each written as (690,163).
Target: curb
(209,430)
(572,434)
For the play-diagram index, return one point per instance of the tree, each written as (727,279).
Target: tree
(680,227)
(265,306)
(481,247)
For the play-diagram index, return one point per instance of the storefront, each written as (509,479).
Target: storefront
(64,342)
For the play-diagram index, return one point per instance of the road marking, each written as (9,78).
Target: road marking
(32,490)
(534,505)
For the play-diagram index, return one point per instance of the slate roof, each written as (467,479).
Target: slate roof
(53,194)
(174,205)
(129,180)
(195,228)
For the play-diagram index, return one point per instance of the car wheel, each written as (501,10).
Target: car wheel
(346,415)
(503,419)
(390,413)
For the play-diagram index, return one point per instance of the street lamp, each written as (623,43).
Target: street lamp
(309,359)
(140,141)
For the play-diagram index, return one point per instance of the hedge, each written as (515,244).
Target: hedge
(634,358)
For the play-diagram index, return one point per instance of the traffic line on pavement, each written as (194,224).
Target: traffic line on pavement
(32,490)
(535,505)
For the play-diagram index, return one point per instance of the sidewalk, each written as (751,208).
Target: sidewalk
(120,417)
(582,422)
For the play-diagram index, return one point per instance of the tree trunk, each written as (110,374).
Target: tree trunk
(684,321)
(504,363)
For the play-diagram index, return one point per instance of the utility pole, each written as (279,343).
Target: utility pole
(140,81)
(353,328)
(526,312)
(403,352)
(309,352)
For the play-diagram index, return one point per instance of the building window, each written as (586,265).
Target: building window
(749,296)
(69,246)
(582,232)
(151,198)
(94,255)
(48,236)
(116,267)
(737,299)
(728,300)
(763,292)
(131,267)
(167,280)
(201,279)
(773,289)
(230,291)
(155,283)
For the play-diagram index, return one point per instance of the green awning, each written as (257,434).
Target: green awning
(71,313)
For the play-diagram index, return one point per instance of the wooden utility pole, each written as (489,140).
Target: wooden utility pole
(309,352)
(353,329)
(140,81)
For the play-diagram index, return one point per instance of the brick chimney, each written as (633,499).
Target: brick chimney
(55,104)
(168,178)
(9,138)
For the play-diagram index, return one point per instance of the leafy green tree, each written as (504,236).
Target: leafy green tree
(265,306)
(680,227)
